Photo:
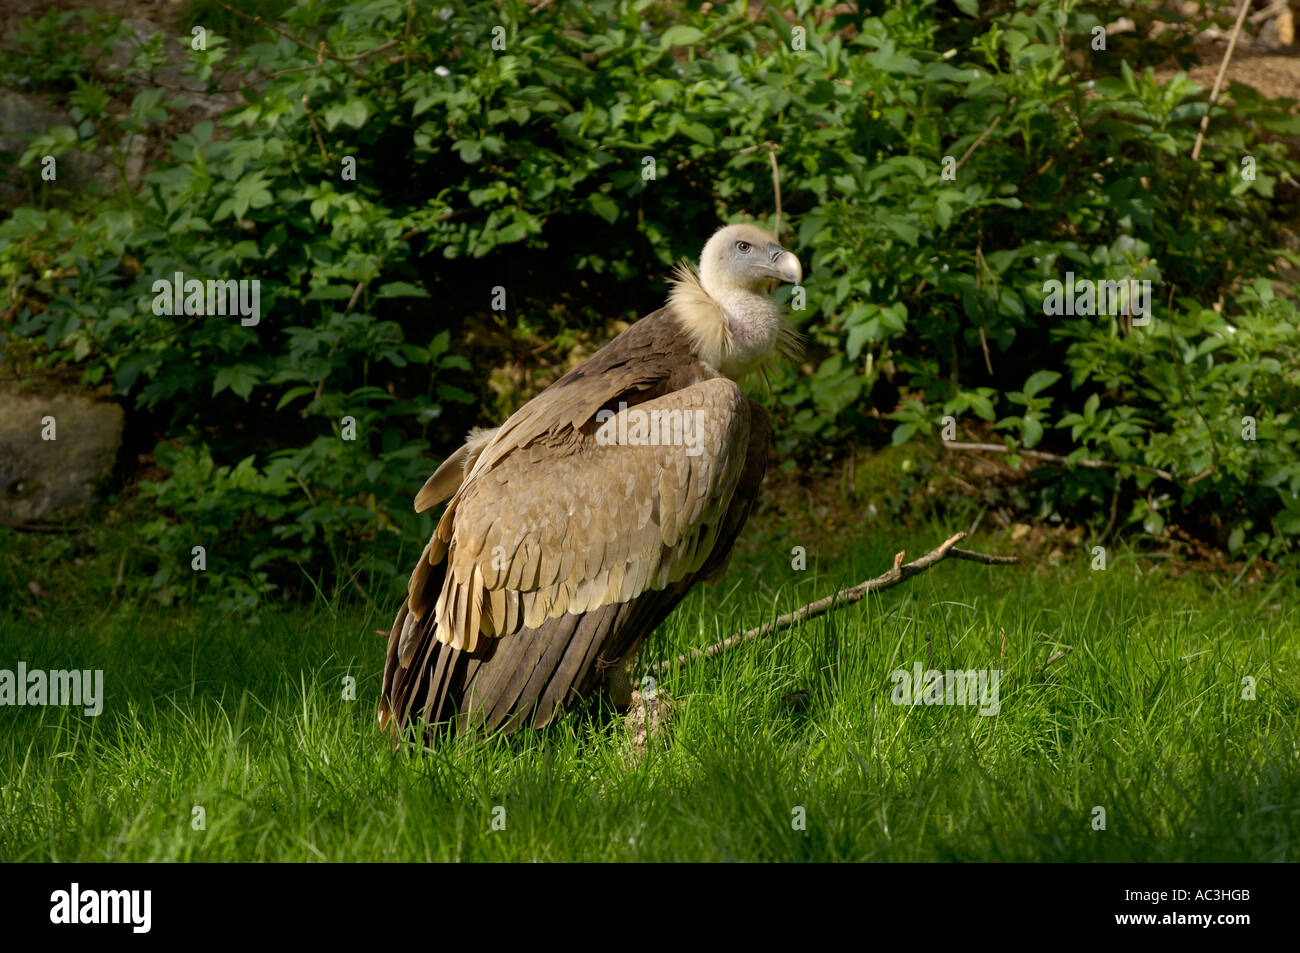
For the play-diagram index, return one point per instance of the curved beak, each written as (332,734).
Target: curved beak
(783,265)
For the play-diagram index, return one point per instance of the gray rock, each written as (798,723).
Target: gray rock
(22,116)
(40,478)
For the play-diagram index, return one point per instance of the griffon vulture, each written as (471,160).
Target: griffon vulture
(575,527)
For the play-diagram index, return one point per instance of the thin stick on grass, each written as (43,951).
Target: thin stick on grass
(900,572)
(1054,657)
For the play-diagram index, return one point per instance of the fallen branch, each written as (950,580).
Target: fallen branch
(900,572)
(1054,657)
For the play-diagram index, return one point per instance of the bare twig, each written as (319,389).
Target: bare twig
(900,572)
(1054,657)
(405,60)
(311,117)
(984,346)
(315,126)
(776,189)
(322,51)
(320,384)
(1056,458)
(771,148)
(361,56)
(356,293)
(1218,80)
(1038,669)
(980,267)
(985,134)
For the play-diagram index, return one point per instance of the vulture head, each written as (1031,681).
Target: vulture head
(727,306)
(746,258)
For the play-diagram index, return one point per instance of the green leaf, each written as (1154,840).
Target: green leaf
(292,394)
(240,379)
(604,206)
(859,335)
(401,289)
(1033,431)
(352,113)
(1039,381)
(681,35)
(983,407)
(470,150)
(696,131)
(903,229)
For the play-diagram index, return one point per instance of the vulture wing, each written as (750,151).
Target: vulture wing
(573,534)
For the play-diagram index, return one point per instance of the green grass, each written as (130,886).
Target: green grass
(1145,718)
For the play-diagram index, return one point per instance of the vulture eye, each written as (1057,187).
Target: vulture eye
(743,247)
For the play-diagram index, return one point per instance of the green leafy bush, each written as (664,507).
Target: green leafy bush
(936,168)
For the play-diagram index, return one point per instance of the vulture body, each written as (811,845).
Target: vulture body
(573,529)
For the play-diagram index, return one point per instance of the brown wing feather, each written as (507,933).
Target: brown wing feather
(532,677)
(529,507)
